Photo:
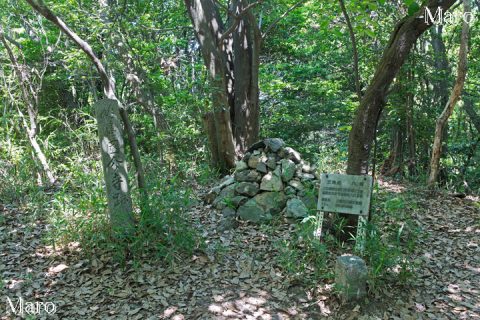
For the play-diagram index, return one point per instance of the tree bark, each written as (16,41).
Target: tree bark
(472,114)
(403,37)
(208,27)
(32,109)
(354,49)
(454,96)
(410,128)
(107,81)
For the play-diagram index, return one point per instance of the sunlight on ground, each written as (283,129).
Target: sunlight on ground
(391,186)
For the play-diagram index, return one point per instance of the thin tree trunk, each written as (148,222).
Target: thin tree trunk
(138,81)
(412,161)
(31,103)
(441,74)
(454,96)
(108,84)
(354,48)
(469,109)
(403,37)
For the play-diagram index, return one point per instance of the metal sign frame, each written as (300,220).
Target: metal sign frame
(348,194)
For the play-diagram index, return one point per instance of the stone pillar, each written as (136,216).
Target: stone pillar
(114,166)
(351,277)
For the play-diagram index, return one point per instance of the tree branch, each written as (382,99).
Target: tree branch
(354,48)
(274,23)
(108,85)
(237,18)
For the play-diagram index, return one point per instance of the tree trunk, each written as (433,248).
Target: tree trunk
(107,81)
(32,109)
(354,49)
(454,96)
(412,161)
(246,113)
(395,160)
(441,74)
(403,37)
(470,110)
(137,78)
(231,56)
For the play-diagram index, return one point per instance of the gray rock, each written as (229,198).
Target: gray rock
(240,166)
(306,176)
(351,277)
(256,146)
(296,209)
(228,212)
(262,167)
(306,167)
(271,202)
(210,196)
(296,184)
(309,200)
(248,176)
(278,171)
(251,211)
(271,182)
(293,155)
(246,156)
(227,223)
(271,162)
(274,144)
(247,188)
(282,153)
(226,194)
(288,169)
(289,190)
(226,181)
(255,159)
(290,196)
(238,201)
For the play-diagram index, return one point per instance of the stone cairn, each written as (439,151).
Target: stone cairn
(271,179)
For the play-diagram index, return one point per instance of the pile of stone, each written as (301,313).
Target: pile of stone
(271,179)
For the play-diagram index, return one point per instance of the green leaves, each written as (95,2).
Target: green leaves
(412,5)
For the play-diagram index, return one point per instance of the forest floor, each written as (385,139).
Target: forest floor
(239,277)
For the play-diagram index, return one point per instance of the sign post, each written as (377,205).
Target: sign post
(349,194)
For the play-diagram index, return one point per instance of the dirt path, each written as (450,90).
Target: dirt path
(448,284)
(239,277)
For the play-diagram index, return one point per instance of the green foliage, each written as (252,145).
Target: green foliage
(304,256)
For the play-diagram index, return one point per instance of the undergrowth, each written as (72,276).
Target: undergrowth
(76,212)
(392,237)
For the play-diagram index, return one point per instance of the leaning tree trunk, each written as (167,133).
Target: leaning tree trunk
(404,36)
(108,115)
(107,81)
(32,108)
(442,120)
(368,113)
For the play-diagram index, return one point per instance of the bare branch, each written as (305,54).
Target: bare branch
(12,41)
